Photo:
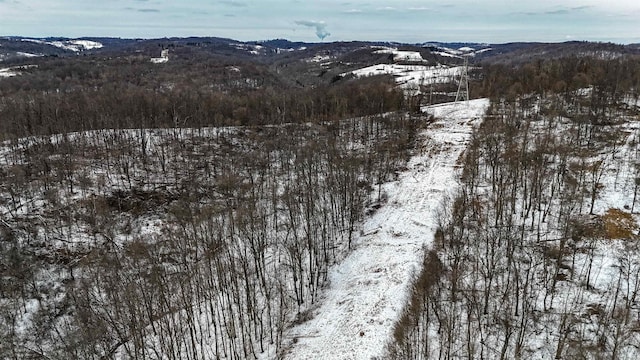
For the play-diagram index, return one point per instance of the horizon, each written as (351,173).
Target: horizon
(54,37)
(465,21)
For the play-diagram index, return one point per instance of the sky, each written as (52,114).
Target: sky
(409,21)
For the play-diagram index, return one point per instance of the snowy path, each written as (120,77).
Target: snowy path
(370,287)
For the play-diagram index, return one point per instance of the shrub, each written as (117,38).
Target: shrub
(619,224)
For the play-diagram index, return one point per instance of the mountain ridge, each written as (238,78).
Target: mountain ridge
(16,48)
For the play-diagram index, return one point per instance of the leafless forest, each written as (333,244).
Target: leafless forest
(192,212)
(527,264)
(131,238)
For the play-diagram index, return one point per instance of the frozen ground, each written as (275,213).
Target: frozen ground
(7,72)
(411,74)
(70,45)
(400,55)
(368,290)
(14,71)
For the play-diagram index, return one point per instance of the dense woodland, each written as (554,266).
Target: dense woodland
(68,95)
(192,210)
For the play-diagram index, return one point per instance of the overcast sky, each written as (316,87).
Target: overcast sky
(491,21)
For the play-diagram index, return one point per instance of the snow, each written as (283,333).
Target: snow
(34,41)
(69,45)
(164,57)
(483,50)
(456,53)
(13,71)
(618,179)
(7,72)
(65,46)
(410,77)
(448,50)
(595,277)
(368,290)
(76,45)
(401,55)
(87,44)
(319,58)
(24,323)
(446,54)
(252,49)
(28,55)
(159,60)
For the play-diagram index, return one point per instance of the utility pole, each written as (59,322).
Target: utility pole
(463,84)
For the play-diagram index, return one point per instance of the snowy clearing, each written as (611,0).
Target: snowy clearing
(70,45)
(14,71)
(86,44)
(7,72)
(456,53)
(252,49)
(28,55)
(319,58)
(401,55)
(369,289)
(411,76)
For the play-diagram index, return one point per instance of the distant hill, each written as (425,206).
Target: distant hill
(16,50)
(524,52)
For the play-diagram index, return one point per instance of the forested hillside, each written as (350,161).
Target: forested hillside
(195,209)
(138,223)
(538,255)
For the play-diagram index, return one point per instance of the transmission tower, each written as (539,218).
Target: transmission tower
(463,84)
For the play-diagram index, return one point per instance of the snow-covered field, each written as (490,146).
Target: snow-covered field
(14,71)
(7,72)
(368,290)
(411,76)
(28,55)
(401,55)
(457,53)
(252,49)
(70,45)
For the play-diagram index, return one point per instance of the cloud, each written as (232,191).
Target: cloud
(148,10)
(353,11)
(233,3)
(557,12)
(320,26)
